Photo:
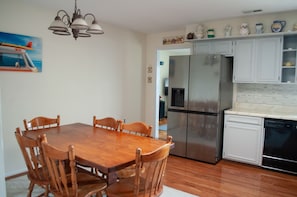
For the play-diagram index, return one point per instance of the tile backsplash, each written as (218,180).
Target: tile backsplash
(270,94)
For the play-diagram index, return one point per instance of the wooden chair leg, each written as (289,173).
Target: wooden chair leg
(40,195)
(46,191)
(99,194)
(31,186)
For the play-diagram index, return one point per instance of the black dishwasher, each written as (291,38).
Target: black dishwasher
(280,145)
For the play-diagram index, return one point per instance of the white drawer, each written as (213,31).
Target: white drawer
(244,119)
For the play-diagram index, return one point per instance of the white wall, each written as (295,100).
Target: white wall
(102,75)
(2,170)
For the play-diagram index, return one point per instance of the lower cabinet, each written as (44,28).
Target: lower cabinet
(243,139)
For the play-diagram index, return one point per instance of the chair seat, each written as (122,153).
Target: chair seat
(87,182)
(126,189)
(41,180)
(44,180)
(128,172)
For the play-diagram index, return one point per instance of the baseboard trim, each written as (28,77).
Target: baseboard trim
(15,175)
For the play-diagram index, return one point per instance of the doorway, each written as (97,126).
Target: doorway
(162,85)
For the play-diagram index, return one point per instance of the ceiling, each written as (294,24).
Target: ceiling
(155,16)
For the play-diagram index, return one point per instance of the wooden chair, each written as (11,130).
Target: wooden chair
(37,172)
(136,128)
(147,183)
(66,179)
(41,122)
(107,123)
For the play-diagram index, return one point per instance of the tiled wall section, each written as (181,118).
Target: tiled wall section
(271,94)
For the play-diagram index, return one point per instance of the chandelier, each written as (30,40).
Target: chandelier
(78,24)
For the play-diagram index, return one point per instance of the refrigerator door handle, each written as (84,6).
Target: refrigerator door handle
(178,110)
(203,113)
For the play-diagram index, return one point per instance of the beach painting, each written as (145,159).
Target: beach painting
(20,53)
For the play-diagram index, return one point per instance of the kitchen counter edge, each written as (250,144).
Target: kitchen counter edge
(263,114)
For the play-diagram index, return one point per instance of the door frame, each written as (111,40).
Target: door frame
(2,170)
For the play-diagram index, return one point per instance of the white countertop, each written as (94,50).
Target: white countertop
(265,111)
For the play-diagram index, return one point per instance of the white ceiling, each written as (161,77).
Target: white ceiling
(155,16)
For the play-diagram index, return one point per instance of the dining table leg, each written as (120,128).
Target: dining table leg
(111,178)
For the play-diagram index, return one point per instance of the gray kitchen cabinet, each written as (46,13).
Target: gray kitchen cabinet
(202,47)
(223,47)
(257,60)
(268,59)
(243,61)
(243,139)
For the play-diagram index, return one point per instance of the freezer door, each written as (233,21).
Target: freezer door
(204,83)
(178,82)
(202,138)
(177,128)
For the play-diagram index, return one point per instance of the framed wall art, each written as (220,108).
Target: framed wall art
(20,53)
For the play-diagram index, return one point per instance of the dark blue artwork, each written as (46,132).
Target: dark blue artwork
(20,53)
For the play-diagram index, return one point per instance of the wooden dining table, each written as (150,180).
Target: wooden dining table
(106,150)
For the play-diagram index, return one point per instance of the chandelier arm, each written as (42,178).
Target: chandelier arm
(94,28)
(90,14)
(64,14)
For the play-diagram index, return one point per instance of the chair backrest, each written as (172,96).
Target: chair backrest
(137,128)
(58,163)
(32,153)
(150,181)
(41,122)
(107,123)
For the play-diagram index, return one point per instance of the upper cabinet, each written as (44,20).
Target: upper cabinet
(289,59)
(268,59)
(257,60)
(223,47)
(243,61)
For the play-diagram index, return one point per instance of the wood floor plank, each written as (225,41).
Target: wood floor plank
(227,179)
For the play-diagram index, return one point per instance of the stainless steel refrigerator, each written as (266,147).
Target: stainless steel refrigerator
(200,89)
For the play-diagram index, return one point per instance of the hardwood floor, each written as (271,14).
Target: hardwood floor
(162,133)
(163,121)
(227,179)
